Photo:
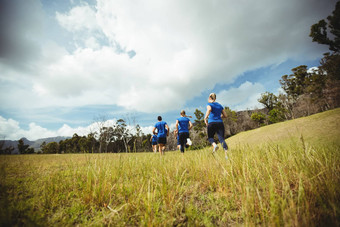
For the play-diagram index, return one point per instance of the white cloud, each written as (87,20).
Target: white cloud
(78,18)
(243,97)
(11,130)
(182,49)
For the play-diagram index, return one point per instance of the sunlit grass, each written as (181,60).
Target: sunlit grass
(262,185)
(314,129)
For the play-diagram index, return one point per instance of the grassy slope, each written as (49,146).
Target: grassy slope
(318,129)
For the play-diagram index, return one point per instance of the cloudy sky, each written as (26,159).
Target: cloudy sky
(64,64)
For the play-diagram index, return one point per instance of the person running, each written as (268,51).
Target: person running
(177,138)
(183,125)
(213,120)
(153,140)
(162,132)
(176,135)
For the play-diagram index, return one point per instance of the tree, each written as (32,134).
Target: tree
(22,147)
(328,33)
(275,108)
(84,145)
(269,100)
(51,148)
(319,31)
(5,150)
(276,115)
(138,138)
(123,133)
(199,121)
(230,123)
(107,135)
(295,84)
(198,135)
(92,142)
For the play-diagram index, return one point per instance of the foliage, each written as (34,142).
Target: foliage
(319,31)
(276,115)
(5,150)
(199,134)
(24,148)
(199,124)
(295,84)
(328,33)
(259,117)
(269,100)
(311,91)
(231,122)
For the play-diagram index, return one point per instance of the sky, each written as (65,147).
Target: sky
(66,65)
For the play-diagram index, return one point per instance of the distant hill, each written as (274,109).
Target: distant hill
(34,144)
(318,129)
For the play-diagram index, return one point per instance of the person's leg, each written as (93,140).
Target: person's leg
(188,142)
(178,143)
(161,142)
(182,140)
(220,135)
(211,133)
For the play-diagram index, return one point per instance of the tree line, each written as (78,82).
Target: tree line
(306,92)
(116,138)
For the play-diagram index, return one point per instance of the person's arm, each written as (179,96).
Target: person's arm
(177,125)
(190,125)
(151,138)
(175,133)
(187,116)
(224,114)
(167,127)
(207,114)
(154,130)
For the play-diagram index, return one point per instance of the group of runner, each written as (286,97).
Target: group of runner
(213,120)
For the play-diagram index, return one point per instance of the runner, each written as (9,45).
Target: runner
(183,125)
(177,138)
(153,140)
(162,132)
(213,120)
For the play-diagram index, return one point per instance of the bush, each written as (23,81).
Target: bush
(260,118)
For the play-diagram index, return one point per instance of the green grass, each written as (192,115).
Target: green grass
(280,178)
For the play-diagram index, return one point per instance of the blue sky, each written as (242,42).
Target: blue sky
(65,64)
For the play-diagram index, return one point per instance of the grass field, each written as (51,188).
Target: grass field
(282,174)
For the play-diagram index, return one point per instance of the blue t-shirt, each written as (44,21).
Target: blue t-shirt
(154,138)
(216,111)
(161,130)
(183,124)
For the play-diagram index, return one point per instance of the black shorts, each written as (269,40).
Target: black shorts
(183,136)
(215,127)
(154,143)
(161,140)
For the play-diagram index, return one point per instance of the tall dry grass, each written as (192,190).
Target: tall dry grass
(266,185)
